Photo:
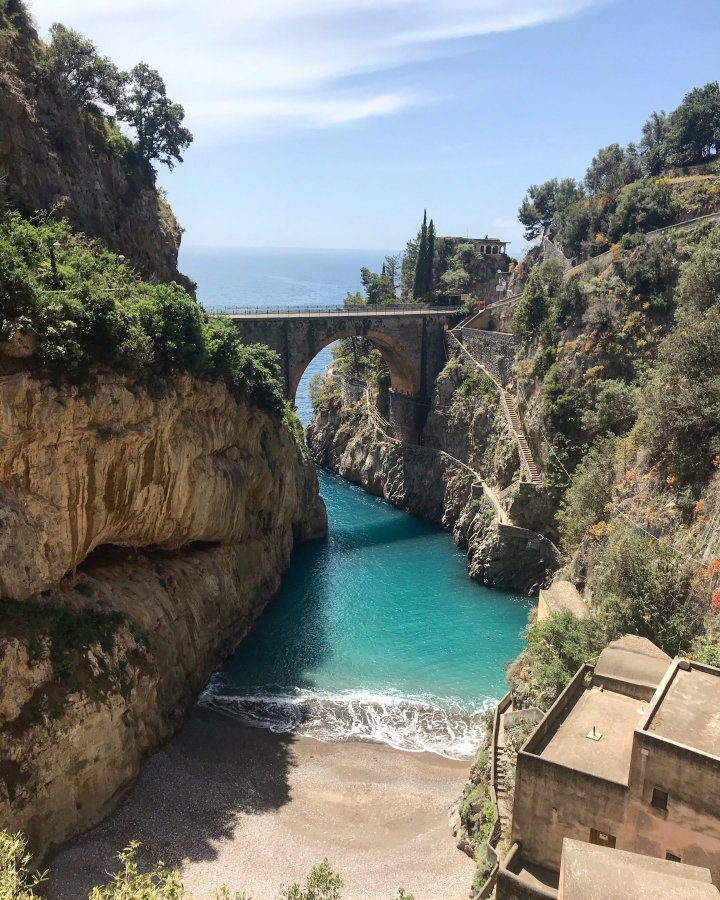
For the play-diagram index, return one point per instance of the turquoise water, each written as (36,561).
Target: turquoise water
(247,277)
(377,632)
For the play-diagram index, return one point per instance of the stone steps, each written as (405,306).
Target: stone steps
(521,437)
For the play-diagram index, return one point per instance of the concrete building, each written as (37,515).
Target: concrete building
(561,595)
(628,757)
(589,872)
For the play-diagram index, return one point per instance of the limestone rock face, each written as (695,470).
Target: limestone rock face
(179,513)
(122,468)
(430,484)
(54,156)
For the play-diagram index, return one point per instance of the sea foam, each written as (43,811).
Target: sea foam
(414,724)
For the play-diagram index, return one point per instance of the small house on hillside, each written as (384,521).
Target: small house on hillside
(489,246)
(628,757)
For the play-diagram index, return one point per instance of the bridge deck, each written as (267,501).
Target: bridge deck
(325,313)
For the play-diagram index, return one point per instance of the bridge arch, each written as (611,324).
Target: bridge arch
(404,376)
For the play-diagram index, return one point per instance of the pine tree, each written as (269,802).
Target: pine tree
(421,260)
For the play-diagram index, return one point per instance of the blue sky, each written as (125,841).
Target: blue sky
(333,123)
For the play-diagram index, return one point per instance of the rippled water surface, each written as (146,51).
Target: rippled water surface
(377,633)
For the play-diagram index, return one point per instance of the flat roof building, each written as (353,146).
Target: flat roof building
(589,872)
(628,757)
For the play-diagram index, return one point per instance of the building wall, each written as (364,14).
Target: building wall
(690,827)
(553,802)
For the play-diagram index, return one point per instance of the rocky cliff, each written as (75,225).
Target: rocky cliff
(141,537)
(57,157)
(465,438)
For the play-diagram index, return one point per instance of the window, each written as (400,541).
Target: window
(659,799)
(672,857)
(602,839)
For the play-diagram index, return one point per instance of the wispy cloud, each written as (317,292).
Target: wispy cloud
(239,65)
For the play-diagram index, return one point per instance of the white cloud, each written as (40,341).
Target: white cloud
(242,64)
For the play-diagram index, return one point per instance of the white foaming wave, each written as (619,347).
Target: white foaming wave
(415,724)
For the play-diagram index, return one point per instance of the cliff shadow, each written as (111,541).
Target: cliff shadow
(191,797)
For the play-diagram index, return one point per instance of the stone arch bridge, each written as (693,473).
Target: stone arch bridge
(410,339)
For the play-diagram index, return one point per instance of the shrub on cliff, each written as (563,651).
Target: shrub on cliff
(85,311)
(642,206)
(589,491)
(620,194)
(75,59)
(556,648)
(643,586)
(532,308)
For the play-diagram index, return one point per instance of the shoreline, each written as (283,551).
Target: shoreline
(255,810)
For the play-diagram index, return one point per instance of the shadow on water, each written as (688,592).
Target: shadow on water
(384,533)
(190,796)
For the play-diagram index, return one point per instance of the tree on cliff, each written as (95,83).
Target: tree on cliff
(532,308)
(693,129)
(90,77)
(424,265)
(379,288)
(157,121)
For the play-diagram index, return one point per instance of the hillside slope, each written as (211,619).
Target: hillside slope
(55,156)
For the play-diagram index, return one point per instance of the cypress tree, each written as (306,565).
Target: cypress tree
(421,260)
(430,259)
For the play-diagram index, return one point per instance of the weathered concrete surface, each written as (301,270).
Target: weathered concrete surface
(561,595)
(589,872)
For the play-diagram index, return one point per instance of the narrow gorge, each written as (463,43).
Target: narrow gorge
(465,473)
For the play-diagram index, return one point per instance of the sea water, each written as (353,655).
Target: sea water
(377,632)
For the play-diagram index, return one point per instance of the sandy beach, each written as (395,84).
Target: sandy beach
(255,810)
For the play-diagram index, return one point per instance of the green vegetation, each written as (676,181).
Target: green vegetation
(625,362)
(532,309)
(379,289)
(588,494)
(160,883)
(621,193)
(472,385)
(555,650)
(17,882)
(425,258)
(358,357)
(90,77)
(57,630)
(144,105)
(321,390)
(430,268)
(139,97)
(81,311)
(644,587)
(322,884)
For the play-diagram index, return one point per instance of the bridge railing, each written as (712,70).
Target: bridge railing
(359,309)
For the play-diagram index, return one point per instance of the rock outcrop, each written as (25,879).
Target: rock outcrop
(173,518)
(433,483)
(57,157)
